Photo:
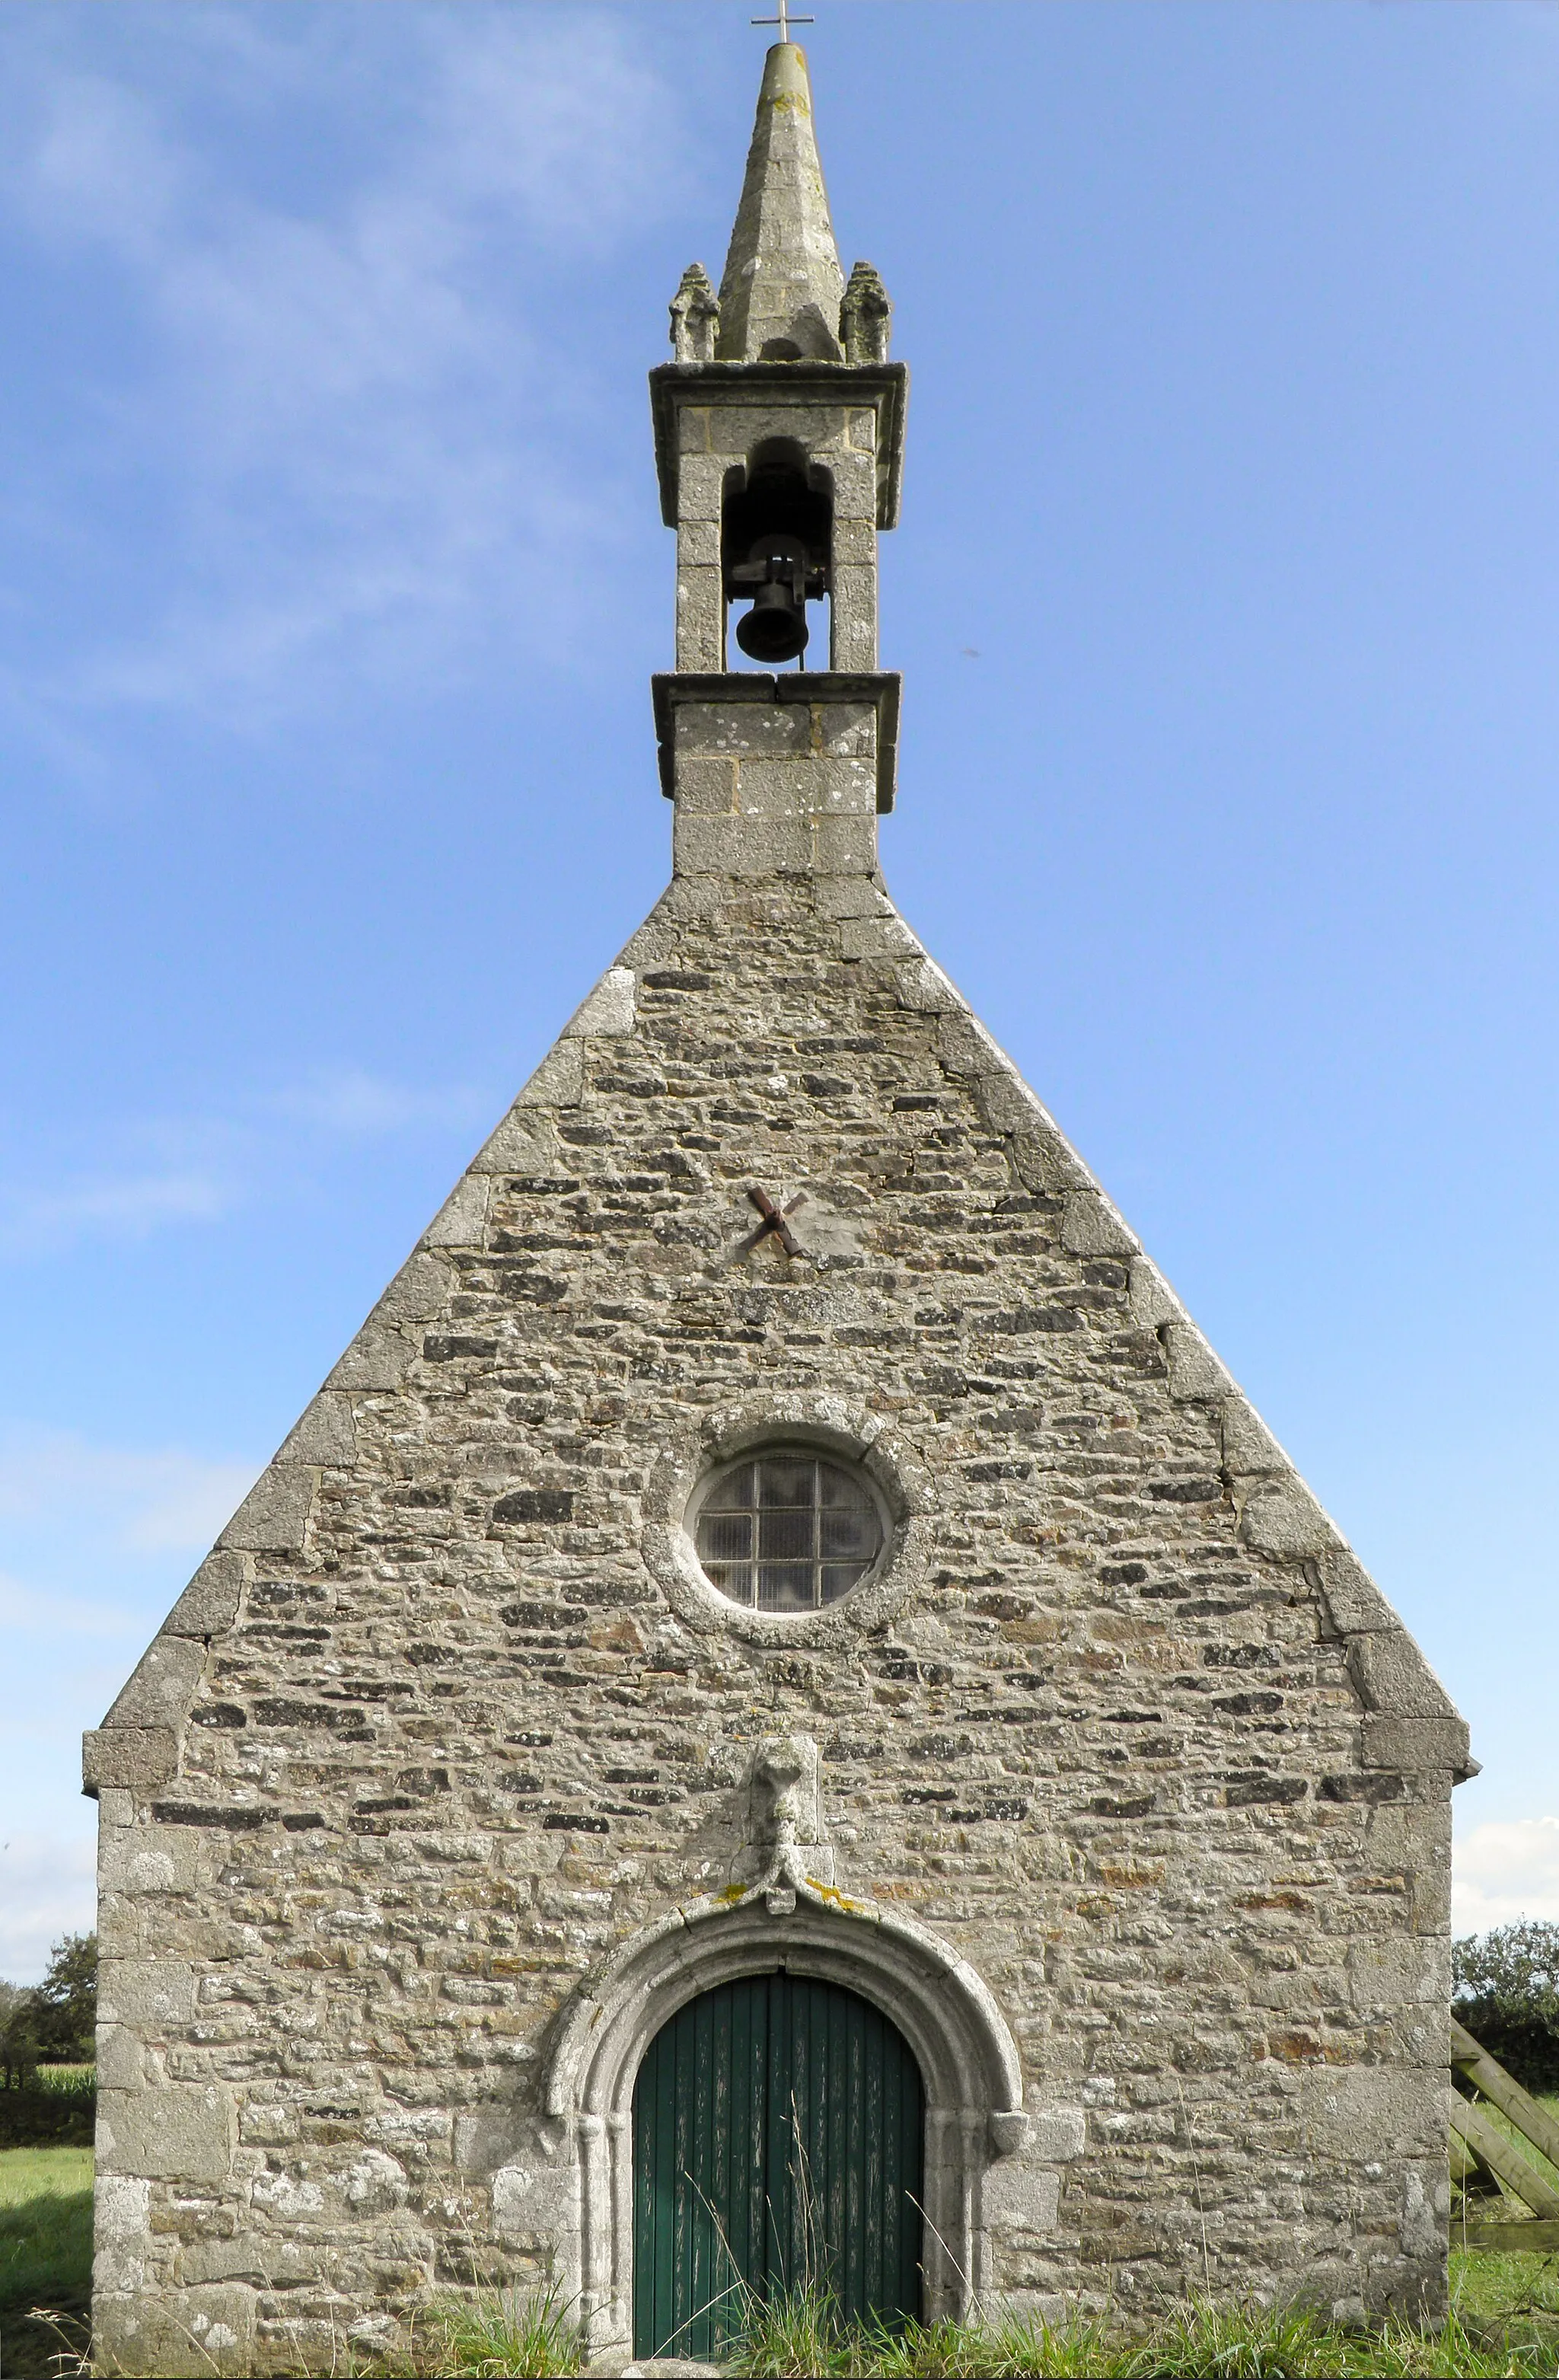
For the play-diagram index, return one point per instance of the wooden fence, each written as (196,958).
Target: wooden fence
(1482,2155)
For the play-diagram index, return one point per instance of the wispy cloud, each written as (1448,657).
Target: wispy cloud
(124,1209)
(355,406)
(172,1172)
(145,1501)
(30,1609)
(96,1540)
(356,1102)
(1505,1869)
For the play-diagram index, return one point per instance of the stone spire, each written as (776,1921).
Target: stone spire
(782,287)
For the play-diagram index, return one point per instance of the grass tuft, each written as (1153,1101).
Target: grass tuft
(793,2333)
(532,2335)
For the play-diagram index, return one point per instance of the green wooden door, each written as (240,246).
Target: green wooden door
(777,2141)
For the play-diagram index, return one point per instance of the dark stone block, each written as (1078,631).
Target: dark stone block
(280,1710)
(1244,1786)
(1027,1318)
(204,1814)
(1381,1785)
(536,1505)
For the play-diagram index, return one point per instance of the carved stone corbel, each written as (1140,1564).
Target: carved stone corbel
(785,1820)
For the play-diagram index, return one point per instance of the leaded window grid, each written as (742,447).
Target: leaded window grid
(788,1529)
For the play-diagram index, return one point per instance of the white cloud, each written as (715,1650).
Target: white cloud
(136,1501)
(47,1889)
(33,1607)
(98,1539)
(199,1170)
(367,444)
(124,1210)
(353,1102)
(1503,1870)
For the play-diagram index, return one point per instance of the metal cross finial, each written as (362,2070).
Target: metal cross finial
(783,20)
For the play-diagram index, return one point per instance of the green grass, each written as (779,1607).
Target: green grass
(45,2252)
(529,2334)
(37,2173)
(1505,2320)
(1195,2341)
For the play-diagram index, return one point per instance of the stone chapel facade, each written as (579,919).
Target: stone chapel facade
(778,1587)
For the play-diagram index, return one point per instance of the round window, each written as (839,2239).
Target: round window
(789,1530)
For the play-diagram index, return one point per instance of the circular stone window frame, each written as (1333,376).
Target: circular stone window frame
(779,1451)
(830,1427)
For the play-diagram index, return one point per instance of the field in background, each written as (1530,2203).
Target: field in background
(57,2110)
(46,2253)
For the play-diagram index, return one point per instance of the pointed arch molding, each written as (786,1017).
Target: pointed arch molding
(968,2060)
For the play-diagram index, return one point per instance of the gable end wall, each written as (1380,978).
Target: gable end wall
(424,1741)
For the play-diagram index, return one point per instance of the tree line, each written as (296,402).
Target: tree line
(53,2023)
(1506,1990)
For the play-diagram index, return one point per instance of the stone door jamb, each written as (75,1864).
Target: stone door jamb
(968,2060)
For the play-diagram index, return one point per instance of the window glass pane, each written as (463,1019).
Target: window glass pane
(849,1536)
(733,1493)
(785,1586)
(727,1537)
(785,1536)
(839,1488)
(788,1531)
(732,1578)
(787,1483)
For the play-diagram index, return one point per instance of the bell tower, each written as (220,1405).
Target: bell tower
(778,436)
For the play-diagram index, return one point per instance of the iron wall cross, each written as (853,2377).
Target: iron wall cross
(774,1220)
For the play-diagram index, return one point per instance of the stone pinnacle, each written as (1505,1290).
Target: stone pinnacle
(782,286)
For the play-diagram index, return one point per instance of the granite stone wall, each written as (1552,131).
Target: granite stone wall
(1124,1736)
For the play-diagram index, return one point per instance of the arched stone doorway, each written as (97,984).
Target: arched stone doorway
(961,2042)
(778,2143)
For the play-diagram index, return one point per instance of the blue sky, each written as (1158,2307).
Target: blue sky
(331,580)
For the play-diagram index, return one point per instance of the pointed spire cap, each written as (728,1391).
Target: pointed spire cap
(782,286)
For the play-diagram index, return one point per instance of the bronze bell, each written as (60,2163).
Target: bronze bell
(775,629)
